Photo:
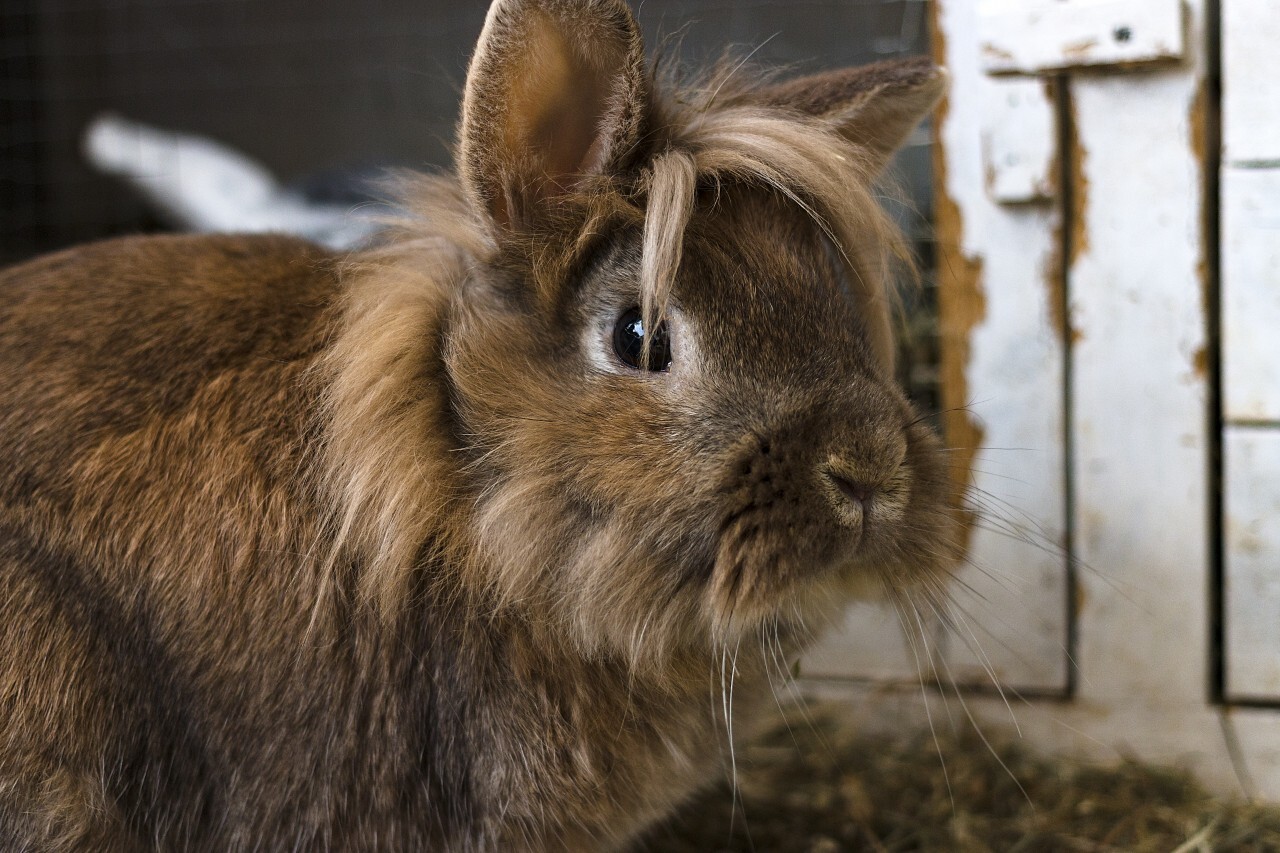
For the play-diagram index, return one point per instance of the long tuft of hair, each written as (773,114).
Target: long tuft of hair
(719,132)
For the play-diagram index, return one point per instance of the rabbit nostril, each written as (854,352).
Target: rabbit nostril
(859,493)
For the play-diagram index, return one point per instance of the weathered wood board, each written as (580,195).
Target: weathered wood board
(1141,430)
(1251,292)
(1250,240)
(1020,143)
(1003,339)
(1251,82)
(1037,36)
(1140,390)
(1003,368)
(872,644)
(1255,733)
(1252,570)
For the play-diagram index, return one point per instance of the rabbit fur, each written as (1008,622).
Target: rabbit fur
(391,550)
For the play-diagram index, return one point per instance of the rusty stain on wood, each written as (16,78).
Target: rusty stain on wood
(961,307)
(1054,269)
(1079,596)
(1200,362)
(1055,281)
(1076,158)
(1080,49)
(993,52)
(1198,121)
(1081,66)
(1199,129)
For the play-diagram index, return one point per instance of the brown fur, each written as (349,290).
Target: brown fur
(390,551)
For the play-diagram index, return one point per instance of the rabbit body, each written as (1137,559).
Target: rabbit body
(404,550)
(159,682)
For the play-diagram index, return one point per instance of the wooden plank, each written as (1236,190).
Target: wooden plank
(1251,348)
(1037,36)
(1234,751)
(1251,293)
(1252,570)
(1019,143)
(1141,431)
(871,644)
(1003,378)
(1255,735)
(1003,369)
(1139,390)
(1250,91)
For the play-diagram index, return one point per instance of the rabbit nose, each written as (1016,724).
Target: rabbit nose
(848,497)
(858,493)
(864,477)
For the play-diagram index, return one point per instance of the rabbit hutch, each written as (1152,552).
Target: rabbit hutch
(1097,207)
(1107,212)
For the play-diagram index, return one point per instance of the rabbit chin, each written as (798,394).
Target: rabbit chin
(797,593)
(620,592)
(704,567)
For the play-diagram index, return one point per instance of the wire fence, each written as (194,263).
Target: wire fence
(314,87)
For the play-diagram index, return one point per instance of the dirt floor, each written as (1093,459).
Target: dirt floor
(816,786)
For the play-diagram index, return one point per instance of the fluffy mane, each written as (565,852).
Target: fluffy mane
(386,427)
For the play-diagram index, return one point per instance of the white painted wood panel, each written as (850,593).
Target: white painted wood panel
(871,644)
(1250,239)
(1251,81)
(1251,291)
(1139,392)
(1140,432)
(1255,733)
(1019,142)
(1235,751)
(1252,595)
(1035,36)
(1011,601)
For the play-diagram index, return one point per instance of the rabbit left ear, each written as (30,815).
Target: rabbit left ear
(873,106)
(555,93)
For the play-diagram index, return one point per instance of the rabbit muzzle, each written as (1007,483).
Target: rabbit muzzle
(817,497)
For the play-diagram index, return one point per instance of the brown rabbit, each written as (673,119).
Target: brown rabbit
(463,542)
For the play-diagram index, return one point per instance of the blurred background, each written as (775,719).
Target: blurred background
(321,90)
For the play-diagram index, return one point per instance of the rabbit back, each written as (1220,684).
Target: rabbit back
(152,442)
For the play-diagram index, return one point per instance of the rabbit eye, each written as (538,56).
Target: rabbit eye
(628,342)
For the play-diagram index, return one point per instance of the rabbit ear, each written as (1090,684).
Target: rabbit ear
(874,106)
(555,92)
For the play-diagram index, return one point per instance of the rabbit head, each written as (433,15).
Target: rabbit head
(666,345)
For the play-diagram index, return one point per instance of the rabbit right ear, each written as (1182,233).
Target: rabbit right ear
(555,93)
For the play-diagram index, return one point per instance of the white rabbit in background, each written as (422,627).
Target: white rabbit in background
(199,184)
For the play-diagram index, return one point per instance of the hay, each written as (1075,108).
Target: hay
(819,786)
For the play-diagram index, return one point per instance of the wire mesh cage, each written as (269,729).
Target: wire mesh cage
(322,88)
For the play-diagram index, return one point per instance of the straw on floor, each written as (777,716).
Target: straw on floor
(817,785)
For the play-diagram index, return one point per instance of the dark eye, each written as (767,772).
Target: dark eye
(628,342)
